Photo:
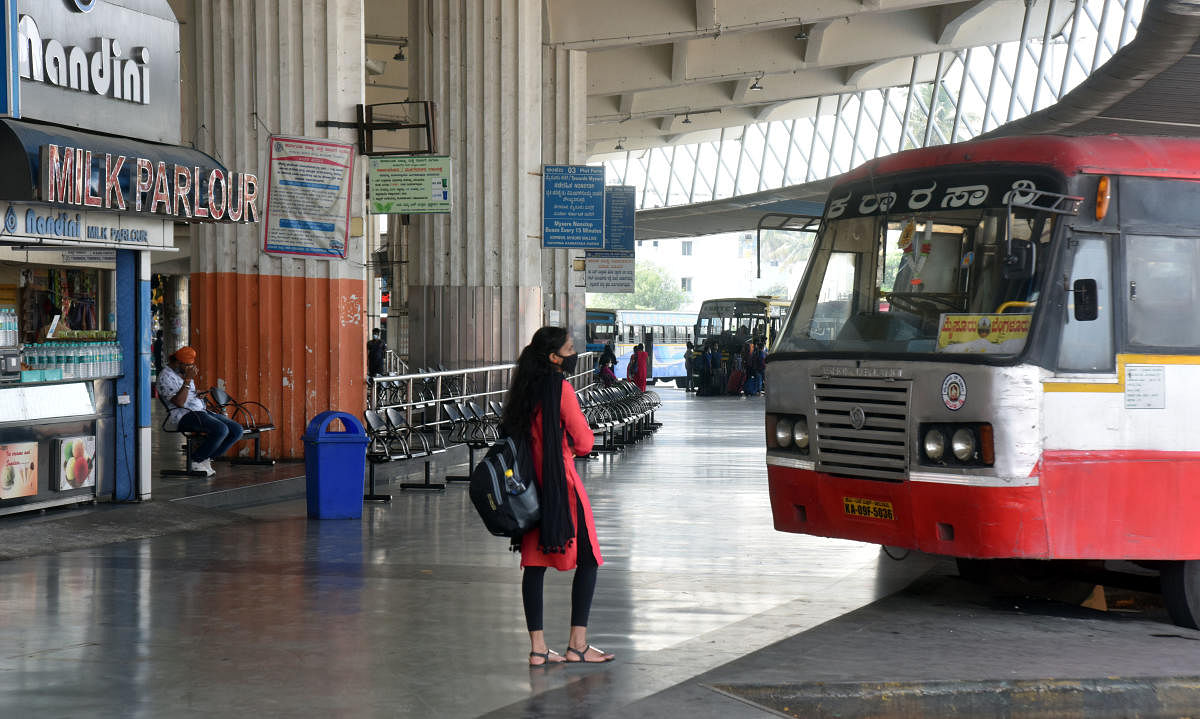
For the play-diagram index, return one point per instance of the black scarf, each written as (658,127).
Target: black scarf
(558,527)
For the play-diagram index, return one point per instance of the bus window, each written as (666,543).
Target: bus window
(1087,346)
(1161,274)
(837,290)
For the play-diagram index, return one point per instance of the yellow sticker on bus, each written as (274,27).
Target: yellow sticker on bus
(982,333)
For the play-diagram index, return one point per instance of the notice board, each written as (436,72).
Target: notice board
(410,184)
(308,197)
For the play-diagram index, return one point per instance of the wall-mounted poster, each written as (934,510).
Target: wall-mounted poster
(308,197)
(18,470)
(76,462)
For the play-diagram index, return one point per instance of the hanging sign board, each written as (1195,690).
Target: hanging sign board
(572,206)
(308,197)
(620,209)
(612,269)
(609,271)
(409,184)
(77,256)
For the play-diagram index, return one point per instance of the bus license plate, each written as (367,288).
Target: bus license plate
(870,508)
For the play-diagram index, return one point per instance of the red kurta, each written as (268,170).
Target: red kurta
(642,360)
(576,427)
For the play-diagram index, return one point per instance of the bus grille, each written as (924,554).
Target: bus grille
(877,450)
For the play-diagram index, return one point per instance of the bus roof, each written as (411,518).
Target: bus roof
(762,300)
(1094,154)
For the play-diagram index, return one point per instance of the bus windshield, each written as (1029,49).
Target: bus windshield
(928,283)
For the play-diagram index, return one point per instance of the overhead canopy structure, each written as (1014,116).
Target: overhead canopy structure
(733,214)
(1147,88)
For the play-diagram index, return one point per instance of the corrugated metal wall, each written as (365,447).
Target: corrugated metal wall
(285,331)
(475,283)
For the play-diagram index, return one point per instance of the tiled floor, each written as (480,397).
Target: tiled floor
(416,611)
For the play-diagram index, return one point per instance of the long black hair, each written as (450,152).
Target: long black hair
(538,383)
(533,366)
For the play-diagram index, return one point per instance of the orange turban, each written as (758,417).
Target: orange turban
(185,354)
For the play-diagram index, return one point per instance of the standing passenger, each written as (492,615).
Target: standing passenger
(638,365)
(376,354)
(542,405)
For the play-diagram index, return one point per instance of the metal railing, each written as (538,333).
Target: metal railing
(421,395)
(394,364)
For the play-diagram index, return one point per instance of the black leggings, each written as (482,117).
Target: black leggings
(582,586)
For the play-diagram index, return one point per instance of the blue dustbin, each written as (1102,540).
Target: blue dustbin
(334,463)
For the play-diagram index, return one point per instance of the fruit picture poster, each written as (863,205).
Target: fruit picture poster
(76,462)
(18,470)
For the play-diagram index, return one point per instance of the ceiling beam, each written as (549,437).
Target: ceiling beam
(953,18)
(679,52)
(591,25)
(626,104)
(816,39)
(738,96)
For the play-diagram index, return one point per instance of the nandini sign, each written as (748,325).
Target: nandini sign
(74,176)
(104,72)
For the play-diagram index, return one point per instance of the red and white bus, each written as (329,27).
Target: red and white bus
(995,353)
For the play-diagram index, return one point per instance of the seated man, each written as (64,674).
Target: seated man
(177,389)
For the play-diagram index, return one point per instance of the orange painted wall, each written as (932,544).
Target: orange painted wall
(296,344)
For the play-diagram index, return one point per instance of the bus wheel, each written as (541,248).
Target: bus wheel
(1181,592)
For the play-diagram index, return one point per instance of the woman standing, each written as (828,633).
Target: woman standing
(638,366)
(542,405)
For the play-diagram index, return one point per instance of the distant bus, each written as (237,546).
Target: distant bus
(733,321)
(601,328)
(665,336)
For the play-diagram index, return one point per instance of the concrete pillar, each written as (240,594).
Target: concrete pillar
(175,313)
(285,331)
(564,142)
(475,292)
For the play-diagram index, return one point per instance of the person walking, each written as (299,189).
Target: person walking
(542,406)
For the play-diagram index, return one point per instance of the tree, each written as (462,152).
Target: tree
(653,289)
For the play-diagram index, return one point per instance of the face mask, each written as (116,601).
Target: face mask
(569,362)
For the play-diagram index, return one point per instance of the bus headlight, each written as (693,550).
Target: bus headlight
(935,444)
(800,433)
(963,444)
(783,432)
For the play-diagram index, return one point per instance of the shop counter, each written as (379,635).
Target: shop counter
(57,443)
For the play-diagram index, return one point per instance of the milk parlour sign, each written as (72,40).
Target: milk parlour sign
(101,66)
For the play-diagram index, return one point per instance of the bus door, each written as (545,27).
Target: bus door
(627,337)
(649,333)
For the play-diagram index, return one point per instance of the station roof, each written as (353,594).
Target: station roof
(1147,88)
(664,72)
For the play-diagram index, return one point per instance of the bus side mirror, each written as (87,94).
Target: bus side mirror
(1087,306)
(1019,261)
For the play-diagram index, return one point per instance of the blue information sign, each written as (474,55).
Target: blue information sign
(573,206)
(620,207)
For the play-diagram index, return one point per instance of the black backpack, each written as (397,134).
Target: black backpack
(504,491)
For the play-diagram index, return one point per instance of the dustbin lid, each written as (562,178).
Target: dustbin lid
(318,429)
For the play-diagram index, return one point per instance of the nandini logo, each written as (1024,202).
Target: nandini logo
(82,5)
(104,72)
(10,220)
